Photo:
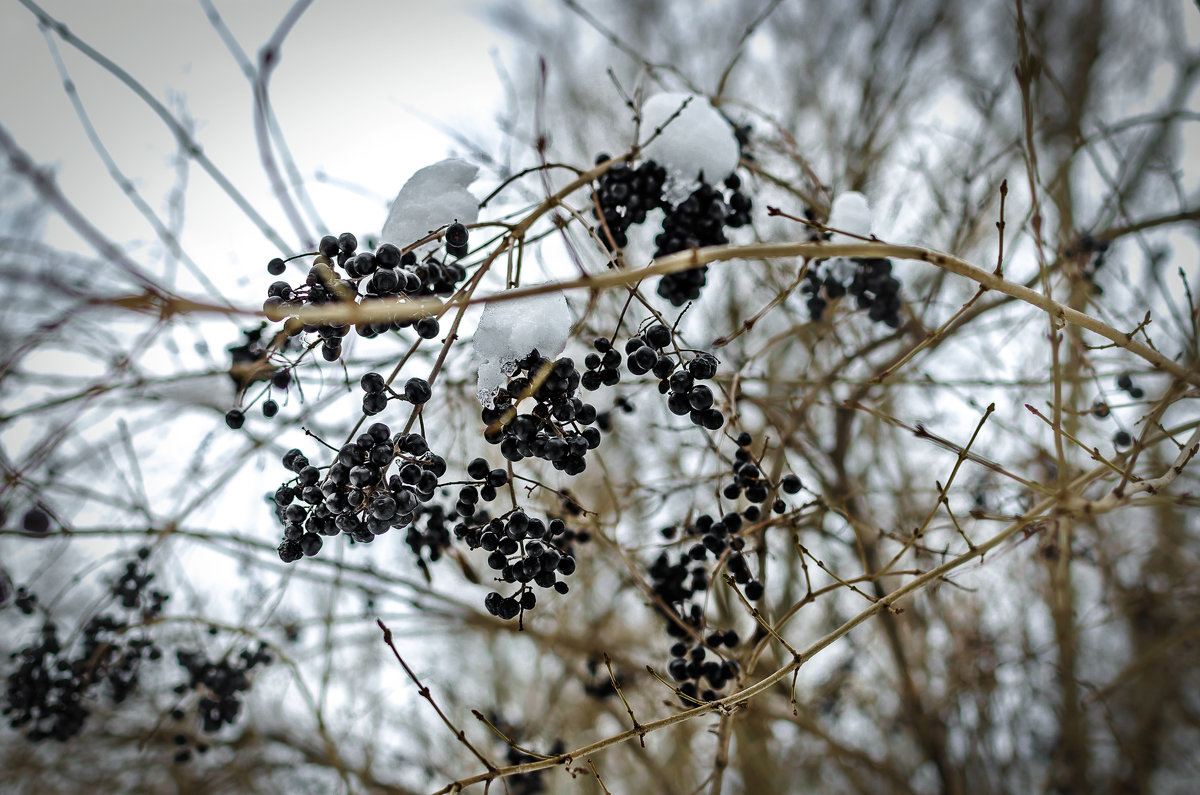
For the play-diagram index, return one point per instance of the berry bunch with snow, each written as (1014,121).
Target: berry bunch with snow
(531,403)
(624,197)
(556,428)
(869,280)
(690,144)
(699,220)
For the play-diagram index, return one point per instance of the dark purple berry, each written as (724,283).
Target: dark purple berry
(417,391)
(428,328)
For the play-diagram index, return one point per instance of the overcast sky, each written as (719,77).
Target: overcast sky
(349,75)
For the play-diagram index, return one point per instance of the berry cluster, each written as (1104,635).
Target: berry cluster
(377,393)
(249,363)
(625,195)
(748,480)
(599,681)
(219,685)
(530,783)
(486,481)
(690,664)
(383,273)
(558,428)
(1126,385)
(699,220)
(47,691)
(869,280)
(602,365)
(686,397)
(1122,438)
(523,550)
(356,497)
(646,353)
(25,600)
(679,584)
(1094,252)
(429,535)
(1100,408)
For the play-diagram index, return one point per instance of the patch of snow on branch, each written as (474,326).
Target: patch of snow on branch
(850,213)
(433,197)
(510,330)
(697,140)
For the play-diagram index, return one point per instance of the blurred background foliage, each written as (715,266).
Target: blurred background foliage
(1064,660)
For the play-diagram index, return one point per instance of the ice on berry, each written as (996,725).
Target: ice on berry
(433,197)
(697,140)
(850,213)
(510,329)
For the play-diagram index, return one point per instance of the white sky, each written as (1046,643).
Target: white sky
(349,73)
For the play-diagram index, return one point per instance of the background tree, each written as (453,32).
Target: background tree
(973,564)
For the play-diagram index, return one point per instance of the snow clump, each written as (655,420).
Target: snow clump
(433,197)
(850,213)
(697,140)
(510,330)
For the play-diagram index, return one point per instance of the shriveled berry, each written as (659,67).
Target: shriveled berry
(704,366)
